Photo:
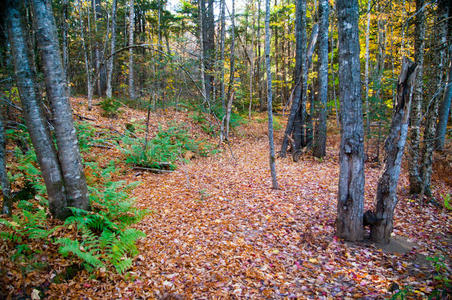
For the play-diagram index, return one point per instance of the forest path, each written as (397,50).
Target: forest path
(219,230)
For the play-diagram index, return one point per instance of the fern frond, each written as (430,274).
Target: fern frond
(123,265)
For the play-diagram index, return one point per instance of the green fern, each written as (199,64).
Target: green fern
(82,250)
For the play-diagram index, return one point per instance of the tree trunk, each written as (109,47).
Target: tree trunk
(202,59)
(89,82)
(320,135)
(112,50)
(33,114)
(131,4)
(366,78)
(231,71)
(65,45)
(380,69)
(299,101)
(258,71)
(6,188)
(333,79)
(222,89)
(386,197)
(96,16)
(66,138)
(432,116)
(351,155)
(251,55)
(208,28)
(416,114)
(444,109)
(269,96)
(232,58)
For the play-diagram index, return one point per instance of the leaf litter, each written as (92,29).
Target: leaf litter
(218,230)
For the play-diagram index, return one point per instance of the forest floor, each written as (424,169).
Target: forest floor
(218,230)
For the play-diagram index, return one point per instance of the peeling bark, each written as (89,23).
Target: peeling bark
(416,113)
(386,197)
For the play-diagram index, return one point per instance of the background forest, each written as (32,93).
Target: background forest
(196,100)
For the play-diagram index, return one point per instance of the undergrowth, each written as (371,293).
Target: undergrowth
(110,107)
(102,237)
(165,149)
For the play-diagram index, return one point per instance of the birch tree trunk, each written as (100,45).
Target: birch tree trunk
(231,71)
(109,91)
(269,96)
(320,135)
(351,156)
(131,30)
(232,58)
(416,114)
(386,197)
(65,46)
(33,114)
(68,149)
(432,116)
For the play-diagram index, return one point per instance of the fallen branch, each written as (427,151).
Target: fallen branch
(153,170)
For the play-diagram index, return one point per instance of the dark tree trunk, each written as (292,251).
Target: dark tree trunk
(208,32)
(87,59)
(33,114)
(351,155)
(68,149)
(320,135)
(444,110)
(445,104)
(298,107)
(416,114)
(386,197)
(6,188)
(432,115)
